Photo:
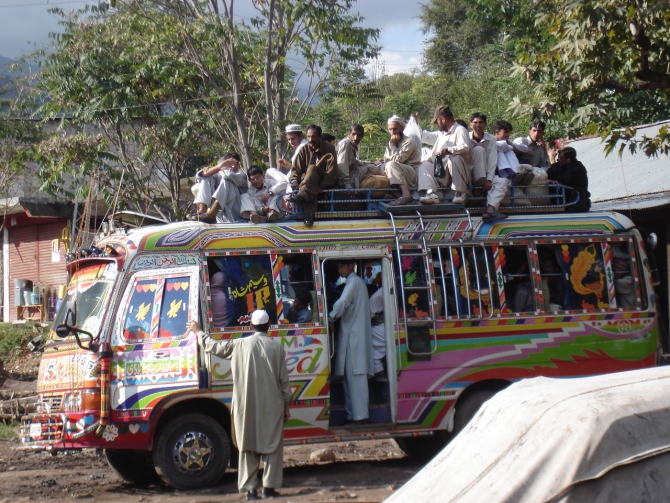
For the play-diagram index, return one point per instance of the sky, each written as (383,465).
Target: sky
(25,25)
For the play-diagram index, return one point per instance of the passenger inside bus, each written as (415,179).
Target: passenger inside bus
(300,311)
(553,285)
(378,327)
(223,307)
(524,297)
(624,282)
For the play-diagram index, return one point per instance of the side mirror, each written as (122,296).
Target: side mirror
(62,331)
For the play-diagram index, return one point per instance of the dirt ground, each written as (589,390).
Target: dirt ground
(367,471)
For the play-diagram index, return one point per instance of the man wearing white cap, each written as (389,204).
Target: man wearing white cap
(296,139)
(261,399)
(401,160)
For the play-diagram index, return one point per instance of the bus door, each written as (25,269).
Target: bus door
(375,268)
(154,354)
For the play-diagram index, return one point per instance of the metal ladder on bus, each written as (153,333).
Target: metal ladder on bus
(401,235)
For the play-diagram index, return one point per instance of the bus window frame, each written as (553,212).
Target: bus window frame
(600,240)
(148,274)
(207,293)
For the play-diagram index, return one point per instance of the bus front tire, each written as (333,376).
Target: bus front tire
(132,465)
(191,451)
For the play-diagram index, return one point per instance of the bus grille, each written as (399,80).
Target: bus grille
(51,404)
(39,430)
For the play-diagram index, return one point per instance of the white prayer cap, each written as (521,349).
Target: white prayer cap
(293,128)
(195,189)
(397,120)
(259,317)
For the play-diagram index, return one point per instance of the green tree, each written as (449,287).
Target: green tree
(18,136)
(149,111)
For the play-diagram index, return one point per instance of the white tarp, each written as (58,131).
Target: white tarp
(603,438)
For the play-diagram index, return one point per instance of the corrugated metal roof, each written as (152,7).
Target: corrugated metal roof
(617,178)
(633,203)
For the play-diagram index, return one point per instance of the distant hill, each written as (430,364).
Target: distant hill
(5,62)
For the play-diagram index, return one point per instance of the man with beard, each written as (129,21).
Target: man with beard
(314,170)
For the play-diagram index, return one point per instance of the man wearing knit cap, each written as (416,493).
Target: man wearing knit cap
(401,160)
(261,398)
(296,139)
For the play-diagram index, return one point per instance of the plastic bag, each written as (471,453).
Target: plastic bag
(413,130)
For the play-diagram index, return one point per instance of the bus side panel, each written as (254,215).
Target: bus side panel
(513,349)
(307,361)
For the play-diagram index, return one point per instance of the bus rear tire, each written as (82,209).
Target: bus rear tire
(132,465)
(191,451)
(468,406)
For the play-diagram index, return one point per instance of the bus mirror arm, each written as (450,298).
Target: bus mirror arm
(63,330)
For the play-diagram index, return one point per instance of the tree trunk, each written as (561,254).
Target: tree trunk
(268,91)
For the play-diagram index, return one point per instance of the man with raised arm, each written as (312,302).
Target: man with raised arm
(537,155)
(296,139)
(314,170)
(260,405)
(352,170)
(401,160)
(217,191)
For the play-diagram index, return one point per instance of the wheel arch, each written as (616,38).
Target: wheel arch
(488,385)
(208,406)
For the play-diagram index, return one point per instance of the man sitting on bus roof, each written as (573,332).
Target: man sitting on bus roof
(351,168)
(296,139)
(401,160)
(314,170)
(572,173)
(536,155)
(217,191)
(263,201)
(452,144)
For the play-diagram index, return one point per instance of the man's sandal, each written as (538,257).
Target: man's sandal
(401,201)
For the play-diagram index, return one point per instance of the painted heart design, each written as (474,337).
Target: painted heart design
(170,286)
(138,288)
(134,428)
(145,427)
(184,285)
(88,420)
(123,430)
(152,288)
(145,288)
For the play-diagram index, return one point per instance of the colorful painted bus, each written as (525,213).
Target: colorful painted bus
(469,307)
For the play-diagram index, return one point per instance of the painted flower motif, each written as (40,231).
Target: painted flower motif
(110,433)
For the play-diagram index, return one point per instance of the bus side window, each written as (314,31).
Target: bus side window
(298,293)
(248,285)
(137,324)
(445,282)
(511,266)
(412,273)
(624,279)
(174,307)
(172,294)
(583,271)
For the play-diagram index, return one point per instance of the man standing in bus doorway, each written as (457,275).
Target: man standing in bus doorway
(261,399)
(354,358)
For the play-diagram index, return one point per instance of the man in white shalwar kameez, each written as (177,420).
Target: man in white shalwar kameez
(263,201)
(261,399)
(218,189)
(354,358)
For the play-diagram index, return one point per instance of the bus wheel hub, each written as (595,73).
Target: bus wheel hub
(192,452)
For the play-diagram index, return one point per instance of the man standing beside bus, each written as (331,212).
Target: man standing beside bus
(354,359)
(261,399)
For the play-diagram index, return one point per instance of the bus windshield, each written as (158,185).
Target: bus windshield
(89,287)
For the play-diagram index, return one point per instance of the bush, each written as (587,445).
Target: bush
(12,339)
(9,431)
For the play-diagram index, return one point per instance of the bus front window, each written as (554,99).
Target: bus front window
(89,288)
